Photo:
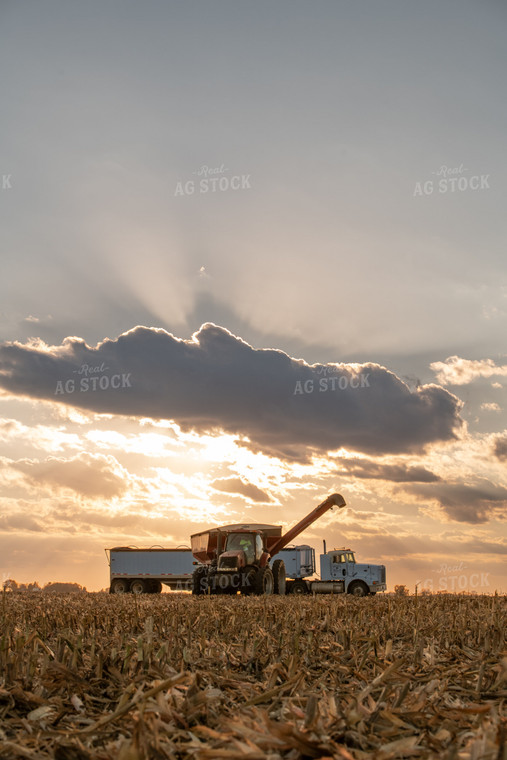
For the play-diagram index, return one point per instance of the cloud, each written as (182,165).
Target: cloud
(215,382)
(490,407)
(365,468)
(500,447)
(48,438)
(238,486)
(17,522)
(462,502)
(457,371)
(383,541)
(8,428)
(90,475)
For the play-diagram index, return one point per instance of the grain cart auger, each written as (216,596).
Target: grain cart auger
(235,557)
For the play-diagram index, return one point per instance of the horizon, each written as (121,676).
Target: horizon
(254,255)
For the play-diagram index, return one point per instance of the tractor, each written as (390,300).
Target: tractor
(236,557)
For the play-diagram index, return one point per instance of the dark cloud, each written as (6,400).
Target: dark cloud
(90,475)
(474,504)
(500,447)
(217,382)
(238,486)
(399,473)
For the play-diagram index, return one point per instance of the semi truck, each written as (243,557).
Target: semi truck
(339,572)
(237,557)
(143,571)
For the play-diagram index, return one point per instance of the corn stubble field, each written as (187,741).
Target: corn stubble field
(173,676)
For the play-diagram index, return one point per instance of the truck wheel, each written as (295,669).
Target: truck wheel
(155,587)
(299,587)
(119,586)
(358,588)
(264,582)
(279,580)
(199,581)
(138,587)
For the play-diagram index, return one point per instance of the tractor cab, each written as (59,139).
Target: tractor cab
(242,548)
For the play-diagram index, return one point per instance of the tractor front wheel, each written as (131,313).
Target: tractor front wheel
(248,581)
(199,581)
(264,582)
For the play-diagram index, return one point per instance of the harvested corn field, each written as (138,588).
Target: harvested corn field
(99,676)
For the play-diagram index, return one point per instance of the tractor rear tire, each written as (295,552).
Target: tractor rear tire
(279,578)
(199,581)
(264,582)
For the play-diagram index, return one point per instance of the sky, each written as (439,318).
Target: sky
(253,253)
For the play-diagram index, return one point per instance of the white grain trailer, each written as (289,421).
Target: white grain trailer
(144,570)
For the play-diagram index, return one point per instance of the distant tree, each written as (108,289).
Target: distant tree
(59,587)
(27,586)
(11,585)
(401,590)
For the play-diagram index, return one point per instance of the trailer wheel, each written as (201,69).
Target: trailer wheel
(138,587)
(199,581)
(119,586)
(298,587)
(279,579)
(358,588)
(264,582)
(155,587)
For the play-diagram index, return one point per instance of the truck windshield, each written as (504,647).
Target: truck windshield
(345,557)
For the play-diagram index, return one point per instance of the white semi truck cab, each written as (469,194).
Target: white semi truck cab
(339,572)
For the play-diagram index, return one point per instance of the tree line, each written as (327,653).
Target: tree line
(11,585)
